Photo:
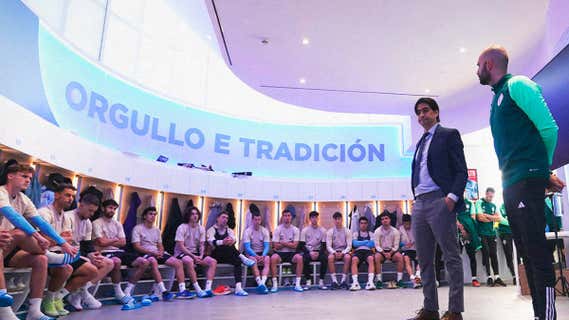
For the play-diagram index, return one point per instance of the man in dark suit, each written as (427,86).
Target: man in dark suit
(438,180)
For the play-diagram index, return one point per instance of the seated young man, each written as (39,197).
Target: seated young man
(147,242)
(387,240)
(110,238)
(285,242)
(339,245)
(24,246)
(190,248)
(256,241)
(363,244)
(409,251)
(222,239)
(313,241)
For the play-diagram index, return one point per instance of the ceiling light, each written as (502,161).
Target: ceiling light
(427,90)
(302,81)
(462,49)
(305,41)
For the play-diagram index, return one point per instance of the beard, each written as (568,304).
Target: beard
(484,77)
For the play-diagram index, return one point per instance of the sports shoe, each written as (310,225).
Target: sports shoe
(6,300)
(417,283)
(185,295)
(355,286)
(89,301)
(48,307)
(335,286)
(221,290)
(401,284)
(145,301)
(202,294)
(379,284)
(152,297)
(308,285)
(167,296)
(514,281)
(424,314)
(60,307)
(74,299)
(262,289)
(209,293)
(41,317)
(274,289)
(241,293)
(500,282)
(391,285)
(475,283)
(344,285)
(322,286)
(490,282)
(298,289)
(249,262)
(451,316)
(370,286)
(131,305)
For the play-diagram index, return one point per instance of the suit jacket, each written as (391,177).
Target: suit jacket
(446,164)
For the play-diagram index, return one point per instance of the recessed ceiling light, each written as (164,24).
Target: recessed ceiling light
(462,50)
(427,90)
(302,81)
(305,41)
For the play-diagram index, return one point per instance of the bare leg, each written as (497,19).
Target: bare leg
(355,262)
(155,272)
(116,271)
(140,264)
(81,276)
(297,259)
(346,266)
(38,263)
(178,267)
(190,268)
(58,277)
(275,260)
(266,265)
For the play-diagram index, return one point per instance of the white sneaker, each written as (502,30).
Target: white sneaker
(370,286)
(355,286)
(74,299)
(89,301)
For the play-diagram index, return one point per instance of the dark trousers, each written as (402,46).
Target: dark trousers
(490,254)
(229,255)
(525,207)
(508,246)
(322,257)
(471,252)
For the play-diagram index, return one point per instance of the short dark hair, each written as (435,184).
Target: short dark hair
(337,215)
(490,189)
(363,219)
(313,214)
(406,218)
(91,199)
(255,214)
(384,214)
(147,210)
(431,103)
(188,214)
(285,211)
(223,212)
(63,186)
(110,202)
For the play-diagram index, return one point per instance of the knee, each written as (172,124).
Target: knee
(40,262)
(188,262)
(331,258)
(267,261)
(153,262)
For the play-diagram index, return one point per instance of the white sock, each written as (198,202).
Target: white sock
(412,277)
(58,258)
(208,284)
(161,287)
(62,293)
(129,288)
(370,277)
(275,282)
(258,280)
(88,285)
(263,279)
(334,279)
(354,278)
(7,313)
(181,287)
(197,286)
(51,295)
(243,258)
(399,276)
(35,310)
(119,294)
(297,281)
(238,287)
(418,273)
(321,282)
(474,278)
(344,277)
(378,277)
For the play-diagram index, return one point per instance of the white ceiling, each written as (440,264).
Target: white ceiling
(376,56)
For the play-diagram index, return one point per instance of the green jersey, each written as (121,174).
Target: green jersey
(504,226)
(524,131)
(485,228)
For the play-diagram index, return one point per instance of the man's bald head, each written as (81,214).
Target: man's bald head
(492,64)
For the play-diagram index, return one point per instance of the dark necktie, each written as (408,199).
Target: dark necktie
(419,157)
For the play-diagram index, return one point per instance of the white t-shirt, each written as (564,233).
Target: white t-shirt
(313,237)
(82,229)
(149,238)
(290,234)
(109,229)
(406,237)
(59,221)
(211,233)
(20,203)
(192,238)
(338,239)
(386,238)
(256,238)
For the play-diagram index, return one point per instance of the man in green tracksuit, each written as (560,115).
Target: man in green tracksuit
(505,233)
(525,136)
(486,215)
(468,234)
